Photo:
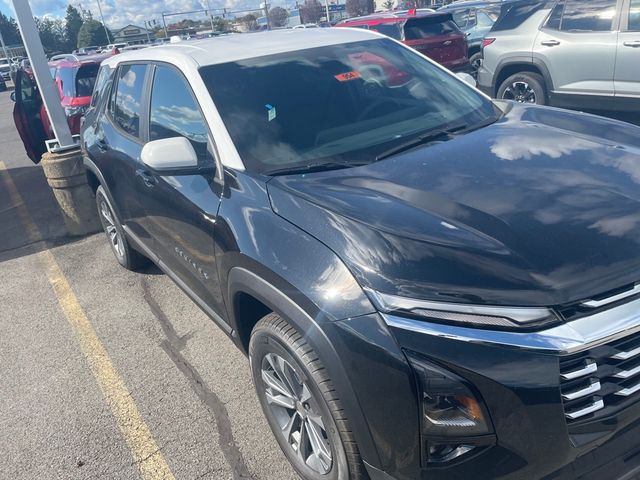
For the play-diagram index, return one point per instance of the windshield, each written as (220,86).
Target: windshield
(340,103)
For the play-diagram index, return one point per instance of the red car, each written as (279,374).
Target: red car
(433,34)
(75,78)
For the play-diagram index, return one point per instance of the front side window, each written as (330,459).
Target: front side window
(634,16)
(484,20)
(591,16)
(127,101)
(343,103)
(174,112)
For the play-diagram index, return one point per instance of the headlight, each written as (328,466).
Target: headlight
(460,313)
(454,421)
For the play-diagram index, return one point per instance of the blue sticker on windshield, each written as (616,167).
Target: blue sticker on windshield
(271,111)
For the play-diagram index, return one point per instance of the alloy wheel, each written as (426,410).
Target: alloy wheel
(111,229)
(296,412)
(520,91)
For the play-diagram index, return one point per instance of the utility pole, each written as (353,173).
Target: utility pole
(210,15)
(265,5)
(164,23)
(326,6)
(4,47)
(63,164)
(40,67)
(106,30)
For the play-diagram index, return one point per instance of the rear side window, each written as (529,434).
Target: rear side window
(127,100)
(464,18)
(86,79)
(583,16)
(415,29)
(389,29)
(174,112)
(515,14)
(634,16)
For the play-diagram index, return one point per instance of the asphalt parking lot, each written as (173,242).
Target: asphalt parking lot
(107,373)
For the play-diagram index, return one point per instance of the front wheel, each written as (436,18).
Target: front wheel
(525,87)
(125,254)
(301,404)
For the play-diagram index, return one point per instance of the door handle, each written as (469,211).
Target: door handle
(550,43)
(148,179)
(633,43)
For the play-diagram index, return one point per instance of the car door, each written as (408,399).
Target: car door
(577,45)
(627,73)
(26,116)
(120,136)
(180,210)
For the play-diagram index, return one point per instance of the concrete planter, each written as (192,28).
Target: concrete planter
(67,177)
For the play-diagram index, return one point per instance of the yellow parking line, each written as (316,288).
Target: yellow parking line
(144,449)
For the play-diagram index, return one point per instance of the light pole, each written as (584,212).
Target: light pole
(326,6)
(106,30)
(148,25)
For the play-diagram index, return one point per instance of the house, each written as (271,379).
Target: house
(132,35)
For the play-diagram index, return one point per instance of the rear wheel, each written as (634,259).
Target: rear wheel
(525,87)
(301,404)
(125,254)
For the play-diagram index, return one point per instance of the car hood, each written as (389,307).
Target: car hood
(540,208)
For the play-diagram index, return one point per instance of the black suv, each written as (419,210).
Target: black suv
(428,284)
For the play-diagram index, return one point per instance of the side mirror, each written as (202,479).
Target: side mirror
(465,77)
(170,155)
(13,96)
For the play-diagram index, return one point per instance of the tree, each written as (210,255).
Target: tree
(357,8)
(9,29)
(278,17)
(52,34)
(221,25)
(73,24)
(388,4)
(92,33)
(311,11)
(250,21)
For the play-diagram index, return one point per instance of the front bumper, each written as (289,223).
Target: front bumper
(517,376)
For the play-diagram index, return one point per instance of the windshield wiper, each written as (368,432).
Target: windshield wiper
(425,138)
(314,167)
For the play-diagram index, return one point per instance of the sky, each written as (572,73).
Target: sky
(119,13)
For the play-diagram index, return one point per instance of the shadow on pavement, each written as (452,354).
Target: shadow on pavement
(17,237)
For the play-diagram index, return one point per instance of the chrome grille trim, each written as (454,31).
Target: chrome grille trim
(613,298)
(627,355)
(628,373)
(582,372)
(594,407)
(583,392)
(625,392)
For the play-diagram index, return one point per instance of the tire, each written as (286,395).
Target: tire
(525,87)
(475,61)
(279,355)
(126,255)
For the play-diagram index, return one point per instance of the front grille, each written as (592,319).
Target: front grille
(602,380)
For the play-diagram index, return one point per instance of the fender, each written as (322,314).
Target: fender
(93,168)
(245,281)
(523,60)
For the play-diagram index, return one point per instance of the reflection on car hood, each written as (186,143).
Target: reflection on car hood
(540,208)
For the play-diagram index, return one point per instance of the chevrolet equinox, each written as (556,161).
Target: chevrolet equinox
(428,283)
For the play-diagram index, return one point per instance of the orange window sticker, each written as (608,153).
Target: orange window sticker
(345,77)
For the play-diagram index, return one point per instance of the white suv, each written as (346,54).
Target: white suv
(575,53)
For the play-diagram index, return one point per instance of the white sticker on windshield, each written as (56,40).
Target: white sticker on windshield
(271,111)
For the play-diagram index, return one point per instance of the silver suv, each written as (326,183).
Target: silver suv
(573,53)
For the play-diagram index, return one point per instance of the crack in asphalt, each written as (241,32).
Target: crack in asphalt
(173,345)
